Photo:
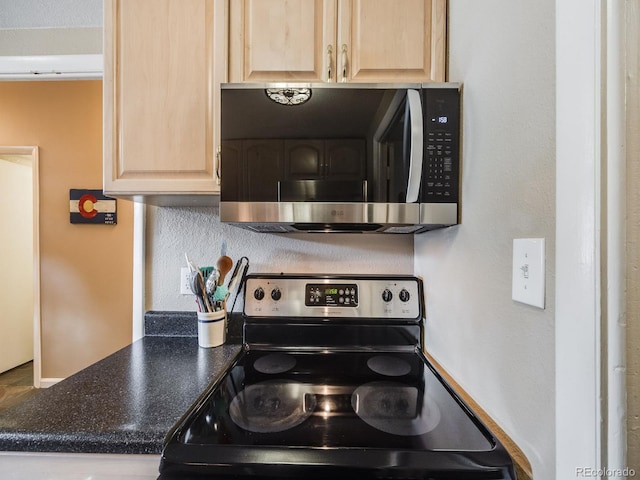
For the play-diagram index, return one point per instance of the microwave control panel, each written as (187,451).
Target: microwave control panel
(441,167)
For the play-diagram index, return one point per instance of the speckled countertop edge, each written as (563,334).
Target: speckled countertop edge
(127,402)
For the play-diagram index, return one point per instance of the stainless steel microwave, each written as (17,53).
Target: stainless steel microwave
(340,157)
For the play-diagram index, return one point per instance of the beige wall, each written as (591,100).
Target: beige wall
(86,279)
(633,235)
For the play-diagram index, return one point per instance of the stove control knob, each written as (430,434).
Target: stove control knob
(276,294)
(387,295)
(258,293)
(404,295)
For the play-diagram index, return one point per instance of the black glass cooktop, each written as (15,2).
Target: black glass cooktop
(334,399)
(332,387)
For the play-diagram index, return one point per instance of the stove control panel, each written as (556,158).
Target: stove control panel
(333,296)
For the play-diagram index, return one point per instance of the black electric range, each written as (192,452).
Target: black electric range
(332,383)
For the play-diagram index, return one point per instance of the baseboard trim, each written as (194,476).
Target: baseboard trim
(48,382)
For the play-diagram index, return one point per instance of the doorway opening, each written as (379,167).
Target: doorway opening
(20,260)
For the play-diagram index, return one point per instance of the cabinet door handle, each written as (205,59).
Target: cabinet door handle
(218,160)
(344,63)
(329,62)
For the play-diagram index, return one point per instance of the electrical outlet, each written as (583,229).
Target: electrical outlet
(185,281)
(528,271)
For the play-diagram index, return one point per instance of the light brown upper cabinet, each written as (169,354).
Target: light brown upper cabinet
(161,101)
(164,61)
(337,40)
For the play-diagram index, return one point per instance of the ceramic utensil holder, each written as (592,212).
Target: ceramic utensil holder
(212,328)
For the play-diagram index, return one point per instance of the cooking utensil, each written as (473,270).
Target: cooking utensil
(237,279)
(203,293)
(224,265)
(211,287)
(190,264)
(212,282)
(193,284)
(198,288)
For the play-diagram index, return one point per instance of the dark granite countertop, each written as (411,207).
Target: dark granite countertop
(127,402)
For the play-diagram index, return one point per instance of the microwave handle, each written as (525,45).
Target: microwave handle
(417,143)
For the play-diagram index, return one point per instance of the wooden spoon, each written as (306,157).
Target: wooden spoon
(223,265)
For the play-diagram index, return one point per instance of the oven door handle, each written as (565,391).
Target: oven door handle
(414,109)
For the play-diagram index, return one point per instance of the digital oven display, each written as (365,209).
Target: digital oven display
(331,295)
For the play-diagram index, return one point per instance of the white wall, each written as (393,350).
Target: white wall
(500,351)
(171,232)
(633,234)
(16,263)
(50,27)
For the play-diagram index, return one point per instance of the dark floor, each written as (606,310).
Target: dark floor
(16,385)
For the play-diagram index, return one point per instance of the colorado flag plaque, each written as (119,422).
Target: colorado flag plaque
(91,206)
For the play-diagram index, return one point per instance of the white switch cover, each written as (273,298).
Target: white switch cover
(528,271)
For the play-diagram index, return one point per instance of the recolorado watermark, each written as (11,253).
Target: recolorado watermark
(589,472)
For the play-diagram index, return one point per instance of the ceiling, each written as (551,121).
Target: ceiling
(50,39)
(50,27)
(50,13)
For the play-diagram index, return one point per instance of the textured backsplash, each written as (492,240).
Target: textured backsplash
(197,231)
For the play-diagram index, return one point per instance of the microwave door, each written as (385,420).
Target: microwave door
(402,143)
(396,156)
(413,130)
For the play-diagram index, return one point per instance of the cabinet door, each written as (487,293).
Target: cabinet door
(231,169)
(275,40)
(392,40)
(345,159)
(158,97)
(263,167)
(303,159)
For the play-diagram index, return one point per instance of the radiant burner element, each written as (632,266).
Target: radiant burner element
(272,406)
(275,363)
(395,408)
(389,366)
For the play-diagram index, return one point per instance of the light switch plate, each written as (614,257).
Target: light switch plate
(528,271)
(185,280)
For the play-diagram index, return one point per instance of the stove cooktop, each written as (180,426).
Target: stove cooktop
(317,398)
(331,400)
(288,414)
